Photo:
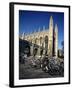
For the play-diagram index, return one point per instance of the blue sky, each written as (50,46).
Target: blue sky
(30,21)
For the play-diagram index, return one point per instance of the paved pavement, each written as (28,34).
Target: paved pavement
(26,71)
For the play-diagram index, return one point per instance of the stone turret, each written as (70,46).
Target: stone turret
(51,22)
(56,40)
(50,47)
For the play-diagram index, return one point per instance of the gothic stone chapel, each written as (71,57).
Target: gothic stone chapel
(45,41)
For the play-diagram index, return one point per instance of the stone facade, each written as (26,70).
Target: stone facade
(46,39)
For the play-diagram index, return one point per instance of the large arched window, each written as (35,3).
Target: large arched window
(36,40)
(46,44)
(40,40)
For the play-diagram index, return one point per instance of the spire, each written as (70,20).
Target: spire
(23,35)
(56,28)
(51,22)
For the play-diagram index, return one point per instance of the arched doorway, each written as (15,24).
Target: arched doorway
(46,44)
(35,51)
(27,50)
